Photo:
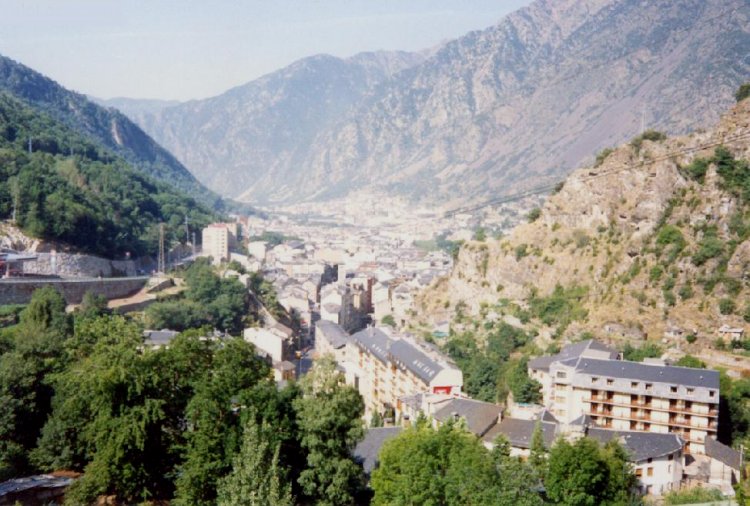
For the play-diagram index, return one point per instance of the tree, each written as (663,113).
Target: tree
(256,478)
(389,320)
(213,418)
(329,415)
(538,452)
(524,388)
(584,474)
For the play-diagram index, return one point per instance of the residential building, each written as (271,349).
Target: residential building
(218,240)
(588,378)
(392,366)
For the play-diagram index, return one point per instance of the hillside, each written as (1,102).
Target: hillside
(651,241)
(522,102)
(263,130)
(107,128)
(73,191)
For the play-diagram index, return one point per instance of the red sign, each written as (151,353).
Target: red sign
(442,390)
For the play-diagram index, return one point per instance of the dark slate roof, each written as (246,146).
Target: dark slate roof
(583,421)
(375,341)
(159,337)
(547,416)
(480,416)
(655,373)
(573,350)
(640,445)
(519,432)
(42,481)
(723,453)
(334,333)
(366,451)
(417,362)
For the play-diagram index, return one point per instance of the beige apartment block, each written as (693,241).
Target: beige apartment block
(589,379)
(218,240)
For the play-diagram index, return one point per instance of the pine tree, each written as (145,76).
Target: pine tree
(256,478)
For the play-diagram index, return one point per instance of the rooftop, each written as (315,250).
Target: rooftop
(366,452)
(573,350)
(480,416)
(647,372)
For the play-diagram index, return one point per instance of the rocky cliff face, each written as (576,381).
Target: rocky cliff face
(655,236)
(517,104)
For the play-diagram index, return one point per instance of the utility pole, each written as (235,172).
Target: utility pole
(161,262)
(194,249)
(29,145)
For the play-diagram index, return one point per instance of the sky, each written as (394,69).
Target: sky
(189,49)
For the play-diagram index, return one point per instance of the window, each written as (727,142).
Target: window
(690,391)
(711,393)
(634,384)
(649,471)
(649,386)
(638,473)
(673,390)
(562,374)
(650,460)
(670,457)
(594,379)
(610,382)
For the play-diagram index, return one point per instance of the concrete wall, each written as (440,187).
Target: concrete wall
(75,265)
(19,291)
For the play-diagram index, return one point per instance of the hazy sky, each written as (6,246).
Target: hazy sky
(182,49)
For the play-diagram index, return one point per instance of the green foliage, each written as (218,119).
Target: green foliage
(525,389)
(648,135)
(697,169)
(648,350)
(273,238)
(449,465)
(521,251)
(561,307)
(726,306)
(256,478)
(480,235)
(735,173)
(330,425)
(389,320)
(92,199)
(710,246)
(670,236)
(534,215)
(742,92)
(538,452)
(208,300)
(215,428)
(686,291)
(655,273)
(602,155)
(583,473)
(691,361)
(696,495)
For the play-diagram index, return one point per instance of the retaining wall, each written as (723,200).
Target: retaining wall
(18,291)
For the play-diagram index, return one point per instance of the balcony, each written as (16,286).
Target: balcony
(673,408)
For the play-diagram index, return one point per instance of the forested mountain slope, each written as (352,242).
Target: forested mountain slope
(106,127)
(72,190)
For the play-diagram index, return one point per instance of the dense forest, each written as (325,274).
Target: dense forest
(63,186)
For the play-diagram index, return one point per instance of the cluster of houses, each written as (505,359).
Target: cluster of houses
(665,417)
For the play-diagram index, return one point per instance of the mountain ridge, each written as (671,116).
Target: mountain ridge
(519,103)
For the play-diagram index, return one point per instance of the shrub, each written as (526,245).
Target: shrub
(655,273)
(648,135)
(693,496)
(521,251)
(726,306)
(742,92)
(691,338)
(709,247)
(534,215)
(602,155)
(697,169)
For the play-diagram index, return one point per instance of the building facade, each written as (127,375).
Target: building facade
(589,379)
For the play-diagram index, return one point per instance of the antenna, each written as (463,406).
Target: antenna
(161,266)
(187,230)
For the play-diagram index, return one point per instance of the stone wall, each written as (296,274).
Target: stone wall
(19,291)
(74,265)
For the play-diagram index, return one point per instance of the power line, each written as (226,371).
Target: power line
(511,197)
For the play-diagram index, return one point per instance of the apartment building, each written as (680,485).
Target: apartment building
(218,239)
(389,366)
(588,378)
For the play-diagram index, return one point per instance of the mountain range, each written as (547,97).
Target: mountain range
(515,105)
